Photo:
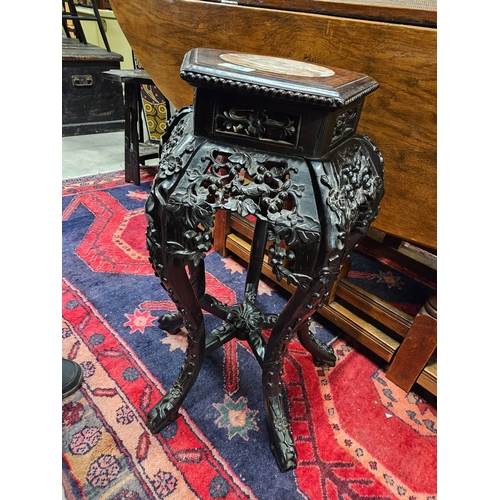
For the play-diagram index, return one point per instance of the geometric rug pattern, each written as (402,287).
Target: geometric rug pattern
(358,436)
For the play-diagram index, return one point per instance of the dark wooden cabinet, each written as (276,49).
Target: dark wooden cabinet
(90,103)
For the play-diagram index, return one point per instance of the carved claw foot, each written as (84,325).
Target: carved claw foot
(171,322)
(282,447)
(157,423)
(280,435)
(164,412)
(322,353)
(324,362)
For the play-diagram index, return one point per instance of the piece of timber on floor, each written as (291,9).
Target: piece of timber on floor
(90,103)
(419,344)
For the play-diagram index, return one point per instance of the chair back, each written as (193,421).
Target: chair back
(155,107)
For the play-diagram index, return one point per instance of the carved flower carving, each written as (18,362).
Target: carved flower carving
(245,317)
(172,165)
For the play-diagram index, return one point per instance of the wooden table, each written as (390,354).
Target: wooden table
(395,42)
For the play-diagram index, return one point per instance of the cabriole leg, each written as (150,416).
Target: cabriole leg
(178,285)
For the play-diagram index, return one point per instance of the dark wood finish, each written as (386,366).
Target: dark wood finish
(394,11)
(400,117)
(137,151)
(221,229)
(310,213)
(90,103)
(74,50)
(376,324)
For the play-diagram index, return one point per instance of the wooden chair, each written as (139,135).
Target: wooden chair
(70,13)
(146,113)
(156,109)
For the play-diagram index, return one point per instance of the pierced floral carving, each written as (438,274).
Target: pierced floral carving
(249,185)
(258,125)
(174,137)
(355,188)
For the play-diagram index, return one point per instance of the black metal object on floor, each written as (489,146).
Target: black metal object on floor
(72,377)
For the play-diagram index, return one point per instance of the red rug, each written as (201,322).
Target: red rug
(358,436)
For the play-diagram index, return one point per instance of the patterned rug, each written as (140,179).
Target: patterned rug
(358,435)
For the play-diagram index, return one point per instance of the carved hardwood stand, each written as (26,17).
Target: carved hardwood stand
(275,139)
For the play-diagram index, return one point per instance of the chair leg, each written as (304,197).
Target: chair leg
(65,27)
(131,133)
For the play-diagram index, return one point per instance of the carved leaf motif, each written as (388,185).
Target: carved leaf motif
(297,190)
(255,190)
(286,218)
(307,236)
(326,181)
(286,127)
(174,249)
(175,209)
(248,207)
(243,207)
(255,162)
(231,204)
(150,204)
(199,214)
(301,280)
(196,175)
(278,272)
(238,158)
(360,197)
